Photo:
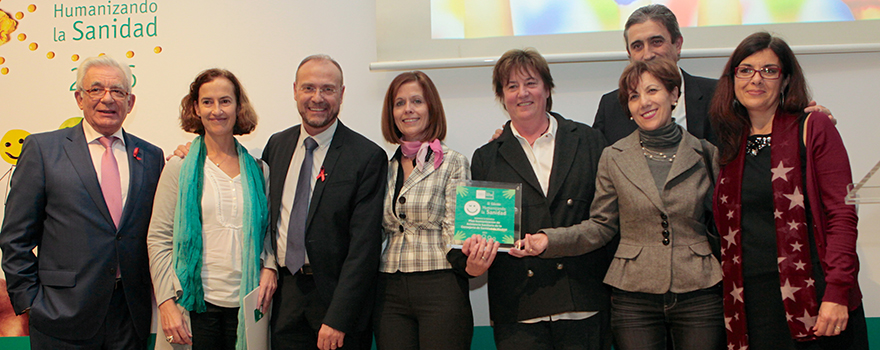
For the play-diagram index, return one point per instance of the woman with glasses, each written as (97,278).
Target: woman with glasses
(789,257)
(206,238)
(653,188)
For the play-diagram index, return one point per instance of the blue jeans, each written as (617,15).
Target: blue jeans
(688,321)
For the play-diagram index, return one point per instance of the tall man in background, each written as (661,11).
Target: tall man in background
(652,31)
(83,197)
(326,190)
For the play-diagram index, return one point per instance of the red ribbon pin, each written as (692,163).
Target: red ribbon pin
(135,154)
(322,175)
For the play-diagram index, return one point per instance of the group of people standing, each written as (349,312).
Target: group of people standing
(620,217)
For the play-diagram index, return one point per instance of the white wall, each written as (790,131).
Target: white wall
(847,84)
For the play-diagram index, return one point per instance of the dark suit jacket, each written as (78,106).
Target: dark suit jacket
(56,204)
(612,121)
(522,289)
(344,225)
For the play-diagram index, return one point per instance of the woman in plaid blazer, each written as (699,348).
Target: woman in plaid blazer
(421,302)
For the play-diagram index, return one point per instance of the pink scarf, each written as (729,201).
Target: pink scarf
(793,246)
(419,150)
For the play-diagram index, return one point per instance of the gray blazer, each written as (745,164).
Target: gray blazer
(627,201)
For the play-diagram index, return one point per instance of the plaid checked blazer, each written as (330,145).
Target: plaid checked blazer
(418,233)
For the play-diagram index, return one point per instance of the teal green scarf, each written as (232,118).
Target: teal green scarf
(188,229)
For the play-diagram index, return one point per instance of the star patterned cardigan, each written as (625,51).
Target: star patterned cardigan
(834,222)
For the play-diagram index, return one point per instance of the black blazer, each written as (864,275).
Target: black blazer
(56,204)
(522,289)
(612,121)
(344,226)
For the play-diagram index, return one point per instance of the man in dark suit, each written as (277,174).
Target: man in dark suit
(83,197)
(652,31)
(328,300)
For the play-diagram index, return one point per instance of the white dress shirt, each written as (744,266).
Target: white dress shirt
(323,139)
(680,110)
(540,155)
(96,150)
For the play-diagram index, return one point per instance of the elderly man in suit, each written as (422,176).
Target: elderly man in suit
(325,200)
(83,197)
(652,31)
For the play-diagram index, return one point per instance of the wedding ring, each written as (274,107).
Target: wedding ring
(837,329)
(484,258)
(169,338)
(531,250)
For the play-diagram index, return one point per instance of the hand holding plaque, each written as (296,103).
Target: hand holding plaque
(531,245)
(480,252)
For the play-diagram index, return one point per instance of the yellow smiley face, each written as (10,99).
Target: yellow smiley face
(10,145)
(70,122)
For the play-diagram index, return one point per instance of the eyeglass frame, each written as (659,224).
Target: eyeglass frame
(326,90)
(94,90)
(760,71)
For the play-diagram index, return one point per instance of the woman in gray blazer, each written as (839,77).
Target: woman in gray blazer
(654,189)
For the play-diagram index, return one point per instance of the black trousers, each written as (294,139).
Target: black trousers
(423,310)
(216,328)
(592,333)
(297,316)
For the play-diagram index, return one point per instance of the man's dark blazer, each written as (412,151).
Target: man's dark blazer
(612,121)
(522,289)
(56,204)
(344,226)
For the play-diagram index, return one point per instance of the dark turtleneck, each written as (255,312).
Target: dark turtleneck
(664,139)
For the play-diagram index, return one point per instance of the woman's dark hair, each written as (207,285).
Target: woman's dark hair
(729,118)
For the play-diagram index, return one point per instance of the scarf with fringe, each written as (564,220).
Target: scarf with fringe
(793,246)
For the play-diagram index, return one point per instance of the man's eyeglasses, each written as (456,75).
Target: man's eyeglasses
(326,90)
(97,93)
(746,72)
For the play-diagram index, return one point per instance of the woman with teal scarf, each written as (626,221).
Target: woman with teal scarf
(207,234)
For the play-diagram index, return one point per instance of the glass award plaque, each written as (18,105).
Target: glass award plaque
(488,209)
(865,191)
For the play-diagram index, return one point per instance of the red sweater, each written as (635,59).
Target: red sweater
(834,222)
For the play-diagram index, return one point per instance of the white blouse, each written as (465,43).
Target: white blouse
(222,207)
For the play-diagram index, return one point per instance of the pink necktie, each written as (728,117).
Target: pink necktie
(110,183)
